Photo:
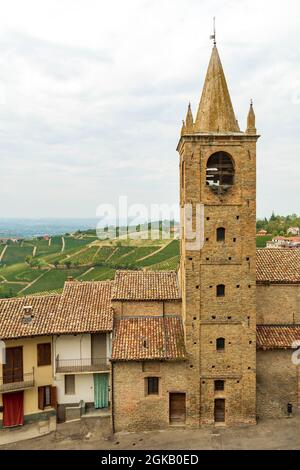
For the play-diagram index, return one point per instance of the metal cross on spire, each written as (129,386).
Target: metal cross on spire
(214,36)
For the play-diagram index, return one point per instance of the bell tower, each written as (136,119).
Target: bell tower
(218,278)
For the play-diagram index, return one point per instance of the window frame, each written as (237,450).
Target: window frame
(220,344)
(217,384)
(152,390)
(220,238)
(73,385)
(220,287)
(43,395)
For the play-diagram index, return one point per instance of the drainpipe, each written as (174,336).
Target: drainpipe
(112,399)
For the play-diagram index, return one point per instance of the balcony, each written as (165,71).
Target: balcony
(75,366)
(13,383)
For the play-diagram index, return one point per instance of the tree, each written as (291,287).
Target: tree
(68,264)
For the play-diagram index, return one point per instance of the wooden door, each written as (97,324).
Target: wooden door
(219,410)
(13,368)
(177,408)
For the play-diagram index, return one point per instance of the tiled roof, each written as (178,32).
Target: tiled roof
(148,338)
(85,307)
(146,285)
(277,336)
(43,308)
(278,265)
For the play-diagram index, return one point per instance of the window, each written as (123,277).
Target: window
(221,234)
(220,344)
(219,385)
(152,388)
(69,384)
(46,396)
(220,290)
(220,172)
(44,354)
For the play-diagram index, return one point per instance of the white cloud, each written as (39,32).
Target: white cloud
(92,94)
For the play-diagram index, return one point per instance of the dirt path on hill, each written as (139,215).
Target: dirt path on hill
(34,281)
(3,252)
(154,252)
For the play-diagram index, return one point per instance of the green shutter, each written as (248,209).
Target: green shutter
(101,390)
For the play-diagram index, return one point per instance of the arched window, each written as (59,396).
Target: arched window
(220,172)
(220,344)
(220,290)
(221,234)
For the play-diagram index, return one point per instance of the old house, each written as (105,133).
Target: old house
(27,392)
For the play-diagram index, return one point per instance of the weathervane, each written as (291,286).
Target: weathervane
(214,36)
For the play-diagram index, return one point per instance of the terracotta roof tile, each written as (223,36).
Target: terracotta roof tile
(278,265)
(146,285)
(277,336)
(85,307)
(148,338)
(43,308)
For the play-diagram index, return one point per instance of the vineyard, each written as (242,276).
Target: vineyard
(33,266)
(40,266)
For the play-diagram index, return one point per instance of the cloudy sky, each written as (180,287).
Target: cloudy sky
(92,94)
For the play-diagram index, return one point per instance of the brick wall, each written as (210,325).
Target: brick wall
(146,308)
(133,409)
(277,383)
(278,303)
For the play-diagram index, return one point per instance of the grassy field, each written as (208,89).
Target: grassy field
(83,257)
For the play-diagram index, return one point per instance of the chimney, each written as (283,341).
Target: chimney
(27,314)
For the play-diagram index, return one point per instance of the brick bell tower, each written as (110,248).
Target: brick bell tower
(218,280)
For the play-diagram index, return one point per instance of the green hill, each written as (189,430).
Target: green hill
(40,265)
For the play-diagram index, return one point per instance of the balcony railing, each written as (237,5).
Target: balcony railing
(11,383)
(82,365)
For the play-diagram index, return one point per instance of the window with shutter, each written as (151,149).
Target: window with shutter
(44,354)
(46,396)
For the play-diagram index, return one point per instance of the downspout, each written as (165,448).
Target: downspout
(112,399)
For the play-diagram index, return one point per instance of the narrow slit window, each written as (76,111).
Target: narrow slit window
(221,290)
(221,234)
(220,344)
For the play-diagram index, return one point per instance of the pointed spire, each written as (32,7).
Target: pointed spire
(215,112)
(183,128)
(189,120)
(251,129)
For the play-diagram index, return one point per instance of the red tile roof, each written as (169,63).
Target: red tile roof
(148,338)
(146,285)
(83,307)
(43,308)
(278,266)
(277,336)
